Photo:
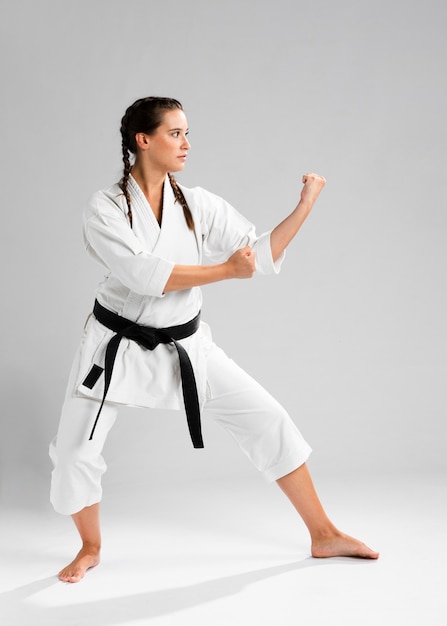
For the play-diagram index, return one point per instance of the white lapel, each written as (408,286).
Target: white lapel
(176,242)
(144,222)
(172,240)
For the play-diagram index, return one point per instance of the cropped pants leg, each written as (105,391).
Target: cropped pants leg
(258,423)
(255,420)
(78,462)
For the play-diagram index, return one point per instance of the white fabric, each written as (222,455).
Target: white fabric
(256,421)
(139,261)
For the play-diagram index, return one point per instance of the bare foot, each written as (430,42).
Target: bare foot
(85,559)
(340,544)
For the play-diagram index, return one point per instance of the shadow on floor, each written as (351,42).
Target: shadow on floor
(19,609)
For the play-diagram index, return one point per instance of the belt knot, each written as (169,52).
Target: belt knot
(149,338)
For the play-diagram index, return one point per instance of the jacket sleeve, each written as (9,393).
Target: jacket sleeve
(224,230)
(109,240)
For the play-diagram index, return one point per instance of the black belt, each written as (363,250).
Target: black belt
(150,338)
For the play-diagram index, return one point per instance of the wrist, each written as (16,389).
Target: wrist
(225,270)
(304,206)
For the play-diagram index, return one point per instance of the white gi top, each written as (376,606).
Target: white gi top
(139,261)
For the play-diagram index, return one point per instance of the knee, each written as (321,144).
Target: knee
(65,457)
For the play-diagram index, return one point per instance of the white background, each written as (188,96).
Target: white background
(350,337)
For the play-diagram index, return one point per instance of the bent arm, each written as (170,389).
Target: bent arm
(286,230)
(241,264)
(188,276)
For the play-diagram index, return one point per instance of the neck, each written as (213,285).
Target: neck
(151,182)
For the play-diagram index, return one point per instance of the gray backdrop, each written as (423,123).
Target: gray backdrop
(351,336)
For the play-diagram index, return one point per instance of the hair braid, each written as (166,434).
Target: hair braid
(178,193)
(127,167)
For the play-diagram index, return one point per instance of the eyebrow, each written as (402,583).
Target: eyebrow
(171,129)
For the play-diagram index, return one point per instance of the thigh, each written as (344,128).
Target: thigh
(77,418)
(260,425)
(233,395)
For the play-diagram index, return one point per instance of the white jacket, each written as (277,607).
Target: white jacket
(139,261)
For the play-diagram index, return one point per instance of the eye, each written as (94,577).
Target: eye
(176,134)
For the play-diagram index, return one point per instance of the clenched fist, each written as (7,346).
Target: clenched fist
(241,264)
(313,184)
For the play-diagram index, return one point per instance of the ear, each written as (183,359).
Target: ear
(142,141)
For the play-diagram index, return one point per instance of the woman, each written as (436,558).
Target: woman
(159,243)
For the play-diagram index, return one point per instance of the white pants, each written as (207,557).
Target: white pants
(258,423)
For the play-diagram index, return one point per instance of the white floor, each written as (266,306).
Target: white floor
(234,554)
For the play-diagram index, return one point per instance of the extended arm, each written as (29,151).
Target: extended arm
(283,234)
(242,263)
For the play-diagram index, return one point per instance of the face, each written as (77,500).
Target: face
(166,150)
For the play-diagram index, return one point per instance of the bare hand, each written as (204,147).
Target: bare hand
(313,184)
(241,264)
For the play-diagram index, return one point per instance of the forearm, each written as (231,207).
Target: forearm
(241,264)
(283,234)
(188,276)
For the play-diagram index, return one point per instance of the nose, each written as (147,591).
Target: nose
(186,145)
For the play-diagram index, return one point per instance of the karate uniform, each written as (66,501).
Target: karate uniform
(139,261)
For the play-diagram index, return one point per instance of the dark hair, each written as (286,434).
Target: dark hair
(145,116)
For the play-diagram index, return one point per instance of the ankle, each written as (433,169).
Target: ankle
(323,533)
(92,547)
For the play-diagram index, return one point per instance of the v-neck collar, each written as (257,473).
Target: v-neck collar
(141,203)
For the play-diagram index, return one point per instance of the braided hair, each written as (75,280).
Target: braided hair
(145,116)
